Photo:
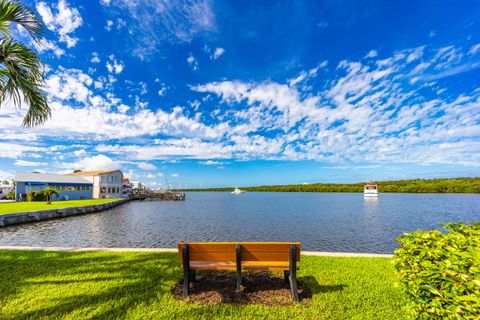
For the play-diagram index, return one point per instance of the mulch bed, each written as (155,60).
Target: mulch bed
(263,288)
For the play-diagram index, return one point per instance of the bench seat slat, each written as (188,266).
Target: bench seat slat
(213,265)
(246,265)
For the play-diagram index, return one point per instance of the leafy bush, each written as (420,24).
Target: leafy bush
(11,195)
(441,271)
(36,196)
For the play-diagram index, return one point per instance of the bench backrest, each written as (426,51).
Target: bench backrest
(250,251)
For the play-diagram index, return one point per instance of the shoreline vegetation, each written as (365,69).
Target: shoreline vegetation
(447,185)
(19,207)
(138,285)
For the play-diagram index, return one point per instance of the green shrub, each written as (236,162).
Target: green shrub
(36,196)
(441,271)
(11,195)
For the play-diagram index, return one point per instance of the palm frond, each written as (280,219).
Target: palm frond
(21,81)
(12,11)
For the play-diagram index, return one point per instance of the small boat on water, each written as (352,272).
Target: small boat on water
(237,191)
(370,190)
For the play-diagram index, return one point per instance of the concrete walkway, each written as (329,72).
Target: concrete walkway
(306,253)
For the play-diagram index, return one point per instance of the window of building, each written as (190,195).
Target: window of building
(77,188)
(103,179)
(103,190)
(112,179)
(87,188)
(109,190)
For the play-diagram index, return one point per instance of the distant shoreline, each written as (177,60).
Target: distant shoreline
(450,185)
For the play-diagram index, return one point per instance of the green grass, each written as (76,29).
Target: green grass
(108,285)
(16,207)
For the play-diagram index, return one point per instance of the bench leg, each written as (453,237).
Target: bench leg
(286,276)
(293,286)
(238,276)
(193,276)
(186,282)
(186,270)
(292,274)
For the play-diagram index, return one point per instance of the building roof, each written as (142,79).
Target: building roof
(21,176)
(92,173)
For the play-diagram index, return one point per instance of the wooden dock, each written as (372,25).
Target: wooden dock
(163,196)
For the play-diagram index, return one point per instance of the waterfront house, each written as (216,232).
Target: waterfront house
(5,189)
(68,187)
(106,183)
(127,187)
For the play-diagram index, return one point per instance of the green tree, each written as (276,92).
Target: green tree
(49,192)
(21,71)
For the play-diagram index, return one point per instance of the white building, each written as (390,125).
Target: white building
(5,189)
(106,183)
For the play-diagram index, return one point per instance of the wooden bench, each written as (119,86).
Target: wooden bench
(238,256)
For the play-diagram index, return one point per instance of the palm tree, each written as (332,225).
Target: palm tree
(21,71)
(49,192)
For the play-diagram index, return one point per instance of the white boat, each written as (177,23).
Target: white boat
(237,191)
(370,190)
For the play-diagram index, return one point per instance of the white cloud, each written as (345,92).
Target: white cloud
(192,62)
(45,45)
(63,20)
(306,75)
(365,114)
(366,111)
(156,23)
(175,175)
(98,162)
(114,66)
(217,53)
(15,150)
(161,92)
(24,163)
(80,153)
(474,49)
(109,25)
(371,54)
(146,166)
(211,163)
(95,58)
(5,176)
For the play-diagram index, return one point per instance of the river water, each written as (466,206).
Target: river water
(340,222)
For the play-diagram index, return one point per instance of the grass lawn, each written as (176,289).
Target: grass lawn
(15,207)
(137,285)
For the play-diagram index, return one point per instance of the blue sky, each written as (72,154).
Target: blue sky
(206,93)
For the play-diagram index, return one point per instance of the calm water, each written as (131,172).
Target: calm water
(321,221)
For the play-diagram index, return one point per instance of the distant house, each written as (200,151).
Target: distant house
(106,183)
(5,189)
(68,187)
(127,187)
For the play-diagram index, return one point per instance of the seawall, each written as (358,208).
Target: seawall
(10,219)
(86,249)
